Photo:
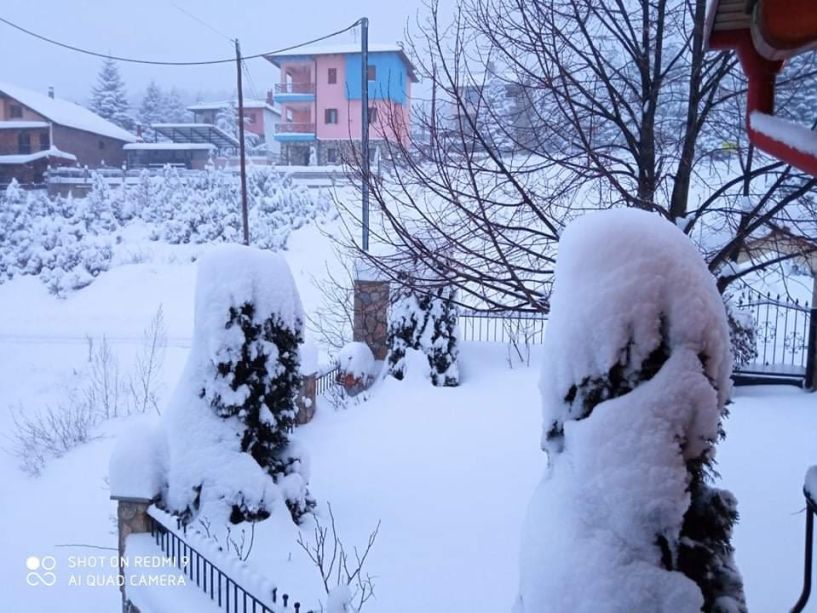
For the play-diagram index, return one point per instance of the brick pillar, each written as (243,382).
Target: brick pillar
(132,518)
(371,298)
(306,399)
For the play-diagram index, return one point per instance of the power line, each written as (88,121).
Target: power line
(166,63)
(201,21)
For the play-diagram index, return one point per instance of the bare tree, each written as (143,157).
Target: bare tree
(613,104)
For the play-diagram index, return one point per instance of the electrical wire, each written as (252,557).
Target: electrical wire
(201,21)
(168,63)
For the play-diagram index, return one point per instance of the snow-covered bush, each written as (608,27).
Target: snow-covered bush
(355,367)
(229,420)
(634,384)
(427,322)
(439,338)
(69,241)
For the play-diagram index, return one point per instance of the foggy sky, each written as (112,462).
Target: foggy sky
(156,29)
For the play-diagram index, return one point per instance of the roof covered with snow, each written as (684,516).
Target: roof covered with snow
(25,158)
(168,146)
(249,103)
(21,125)
(65,113)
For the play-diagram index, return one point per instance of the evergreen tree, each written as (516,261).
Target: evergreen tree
(406,322)
(257,382)
(425,322)
(108,98)
(175,111)
(439,339)
(227,119)
(152,109)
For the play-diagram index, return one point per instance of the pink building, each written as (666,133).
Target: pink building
(320,95)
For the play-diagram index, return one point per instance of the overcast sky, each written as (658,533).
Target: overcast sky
(156,29)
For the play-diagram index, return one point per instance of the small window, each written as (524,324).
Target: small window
(372,114)
(102,144)
(15,111)
(45,142)
(332,77)
(250,117)
(330,116)
(332,155)
(289,115)
(24,142)
(371,72)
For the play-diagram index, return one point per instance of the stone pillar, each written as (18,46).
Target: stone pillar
(371,321)
(306,399)
(132,518)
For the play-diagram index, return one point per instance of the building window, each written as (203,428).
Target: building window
(289,115)
(24,142)
(250,117)
(372,114)
(102,144)
(333,76)
(371,72)
(15,111)
(330,116)
(332,155)
(45,142)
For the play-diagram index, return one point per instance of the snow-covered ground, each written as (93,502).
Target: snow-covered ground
(448,472)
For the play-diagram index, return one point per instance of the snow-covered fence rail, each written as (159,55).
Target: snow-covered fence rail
(327,380)
(216,584)
(502,327)
(811,510)
(785,338)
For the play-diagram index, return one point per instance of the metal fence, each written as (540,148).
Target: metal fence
(502,327)
(215,583)
(326,381)
(784,332)
(811,509)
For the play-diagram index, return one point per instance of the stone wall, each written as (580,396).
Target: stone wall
(371,317)
(132,517)
(306,399)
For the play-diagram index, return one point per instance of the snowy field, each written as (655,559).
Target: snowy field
(447,472)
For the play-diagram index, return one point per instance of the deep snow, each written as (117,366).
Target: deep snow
(449,471)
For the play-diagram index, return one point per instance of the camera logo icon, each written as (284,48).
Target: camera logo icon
(40,570)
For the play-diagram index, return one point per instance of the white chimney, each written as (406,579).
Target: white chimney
(50,91)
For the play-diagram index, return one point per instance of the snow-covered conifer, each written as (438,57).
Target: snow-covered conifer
(152,108)
(108,97)
(230,418)
(439,338)
(406,323)
(634,386)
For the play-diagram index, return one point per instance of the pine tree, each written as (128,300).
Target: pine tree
(108,99)
(174,110)
(152,108)
(439,339)
(227,119)
(406,322)
(266,367)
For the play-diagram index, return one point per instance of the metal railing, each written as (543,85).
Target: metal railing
(297,127)
(784,331)
(504,327)
(215,583)
(295,88)
(326,381)
(811,509)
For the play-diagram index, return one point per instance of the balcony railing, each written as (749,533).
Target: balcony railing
(295,128)
(294,88)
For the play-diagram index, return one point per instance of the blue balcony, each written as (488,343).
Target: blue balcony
(294,92)
(294,132)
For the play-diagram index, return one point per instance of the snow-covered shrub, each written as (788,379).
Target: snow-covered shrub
(634,387)
(427,322)
(355,367)
(742,333)
(406,323)
(439,338)
(229,421)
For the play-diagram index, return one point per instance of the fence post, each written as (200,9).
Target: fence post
(132,518)
(306,399)
(371,310)
(811,356)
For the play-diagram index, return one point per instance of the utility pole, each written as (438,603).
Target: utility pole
(364,129)
(244,216)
